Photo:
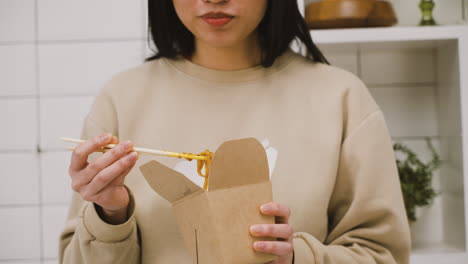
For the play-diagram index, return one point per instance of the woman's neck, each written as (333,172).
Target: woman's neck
(242,56)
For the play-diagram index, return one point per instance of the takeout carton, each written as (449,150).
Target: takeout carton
(215,223)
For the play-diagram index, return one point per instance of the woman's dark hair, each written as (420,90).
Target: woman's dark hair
(281,24)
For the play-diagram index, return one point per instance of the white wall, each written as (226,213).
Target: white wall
(56,54)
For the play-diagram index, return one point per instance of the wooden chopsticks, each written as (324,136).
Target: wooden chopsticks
(143,151)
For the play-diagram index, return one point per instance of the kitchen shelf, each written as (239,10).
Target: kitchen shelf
(390,34)
(441,233)
(449,46)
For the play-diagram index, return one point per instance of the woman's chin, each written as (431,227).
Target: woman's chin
(221,42)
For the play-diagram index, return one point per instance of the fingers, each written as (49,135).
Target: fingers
(120,179)
(87,174)
(115,140)
(108,158)
(82,151)
(281,212)
(109,174)
(278,248)
(283,231)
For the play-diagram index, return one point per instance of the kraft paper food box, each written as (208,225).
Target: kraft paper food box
(215,223)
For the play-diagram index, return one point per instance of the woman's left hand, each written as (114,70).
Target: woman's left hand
(282,247)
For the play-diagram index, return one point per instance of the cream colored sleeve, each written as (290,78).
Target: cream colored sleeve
(367,219)
(86,238)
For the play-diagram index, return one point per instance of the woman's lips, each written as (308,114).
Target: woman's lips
(217,20)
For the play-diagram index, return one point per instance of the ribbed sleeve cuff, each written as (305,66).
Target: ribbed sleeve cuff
(303,253)
(105,232)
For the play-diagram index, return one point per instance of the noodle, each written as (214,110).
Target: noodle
(201,163)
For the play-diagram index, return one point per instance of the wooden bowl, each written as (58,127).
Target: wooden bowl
(383,15)
(327,14)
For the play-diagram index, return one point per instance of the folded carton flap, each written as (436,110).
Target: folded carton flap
(238,162)
(167,182)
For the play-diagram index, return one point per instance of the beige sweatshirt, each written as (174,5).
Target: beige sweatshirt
(335,168)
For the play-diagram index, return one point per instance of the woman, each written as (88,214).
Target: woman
(223,70)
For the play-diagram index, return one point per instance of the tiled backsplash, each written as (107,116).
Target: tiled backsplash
(17,20)
(56,54)
(89,19)
(85,66)
(54,57)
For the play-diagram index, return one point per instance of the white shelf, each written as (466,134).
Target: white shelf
(442,258)
(449,46)
(438,253)
(443,236)
(389,34)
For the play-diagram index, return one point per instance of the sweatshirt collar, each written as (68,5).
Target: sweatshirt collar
(236,76)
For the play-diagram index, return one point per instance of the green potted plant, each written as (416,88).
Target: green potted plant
(416,178)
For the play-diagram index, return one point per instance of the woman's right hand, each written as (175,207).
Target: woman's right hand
(102,181)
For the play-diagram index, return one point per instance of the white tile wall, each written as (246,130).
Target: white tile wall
(465,10)
(454,153)
(20,178)
(409,111)
(404,67)
(56,124)
(449,81)
(49,73)
(450,183)
(17,20)
(19,124)
(55,179)
(81,69)
(343,56)
(344,60)
(454,215)
(19,233)
(429,227)
(18,76)
(89,19)
(53,219)
(22,262)
(449,96)
(144,26)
